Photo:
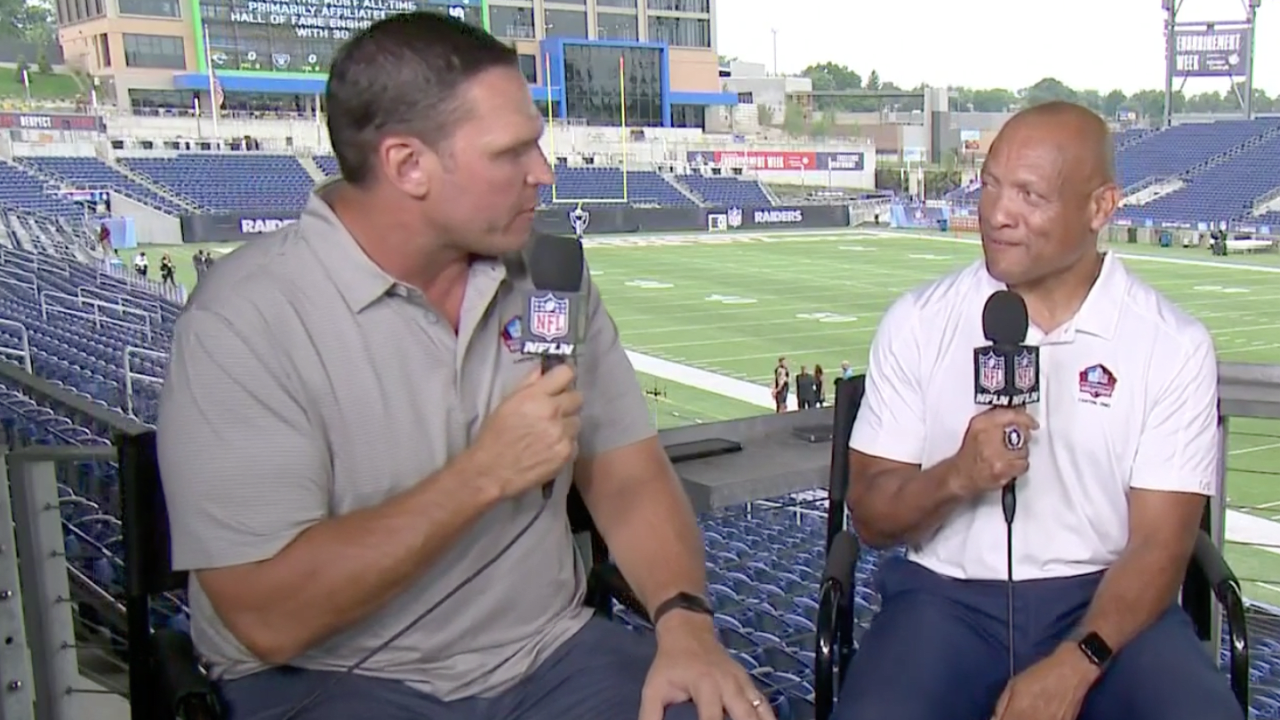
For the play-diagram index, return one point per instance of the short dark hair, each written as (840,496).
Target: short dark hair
(403,74)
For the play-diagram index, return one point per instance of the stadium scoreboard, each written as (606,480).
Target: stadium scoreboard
(301,36)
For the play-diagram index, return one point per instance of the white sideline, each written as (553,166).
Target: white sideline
(1241,527)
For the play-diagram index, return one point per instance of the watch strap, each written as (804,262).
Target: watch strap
(682,601)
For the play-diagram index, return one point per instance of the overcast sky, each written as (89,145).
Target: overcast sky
(1087,44)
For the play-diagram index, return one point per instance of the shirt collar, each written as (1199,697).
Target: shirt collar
(1099,314)
(357,278)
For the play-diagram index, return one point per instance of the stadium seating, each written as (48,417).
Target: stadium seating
(1221,193)
(230,182)
(1178,149)
(1226,166)
(575,184)
(721,191)
(42,235)
(90,173)
(23,189)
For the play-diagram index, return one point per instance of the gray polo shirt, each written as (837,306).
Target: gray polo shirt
(305,383)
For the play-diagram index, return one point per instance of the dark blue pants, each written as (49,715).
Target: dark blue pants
(596,675)
(939,649)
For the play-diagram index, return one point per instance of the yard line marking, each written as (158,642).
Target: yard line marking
(1259,448)
(1129,256)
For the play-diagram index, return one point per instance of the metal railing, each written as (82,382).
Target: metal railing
(94,313)
(130,353)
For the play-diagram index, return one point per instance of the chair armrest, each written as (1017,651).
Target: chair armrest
(185,690)
(605,582)
(1226,588)
(835,620)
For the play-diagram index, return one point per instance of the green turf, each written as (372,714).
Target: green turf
(43,87)
(733,307)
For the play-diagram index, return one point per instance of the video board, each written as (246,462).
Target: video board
(301,36)
(1213,52)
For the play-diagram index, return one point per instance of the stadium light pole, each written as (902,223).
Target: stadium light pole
(775,51)
(1251,18)
(1171,54)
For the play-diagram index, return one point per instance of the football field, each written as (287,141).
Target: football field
(706,317)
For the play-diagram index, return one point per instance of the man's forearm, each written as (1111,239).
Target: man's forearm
(904,505)
(652,534)
(1133,593)
(341,570)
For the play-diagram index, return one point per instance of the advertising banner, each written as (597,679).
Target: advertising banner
(1213,52)
(231,227)
(51,121)
(805,216)
(755,159)
(597,220)
(836,162)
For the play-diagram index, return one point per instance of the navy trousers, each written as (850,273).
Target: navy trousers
(596,675)
(939,648)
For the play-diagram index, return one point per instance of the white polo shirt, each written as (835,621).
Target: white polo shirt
(1129,399)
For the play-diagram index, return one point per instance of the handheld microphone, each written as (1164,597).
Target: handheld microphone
(553,322)
(1007,374)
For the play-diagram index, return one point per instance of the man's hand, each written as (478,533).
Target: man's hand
(691,665)
(1052,689)
(983,462)
(532,435)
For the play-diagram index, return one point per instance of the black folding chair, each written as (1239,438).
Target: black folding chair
(835,646)
(166,680)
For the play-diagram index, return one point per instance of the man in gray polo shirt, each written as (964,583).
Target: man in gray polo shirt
(353,451)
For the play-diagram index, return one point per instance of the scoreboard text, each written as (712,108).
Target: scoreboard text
(302,35)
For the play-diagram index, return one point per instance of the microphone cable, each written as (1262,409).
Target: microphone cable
(351,669)
(1009,503)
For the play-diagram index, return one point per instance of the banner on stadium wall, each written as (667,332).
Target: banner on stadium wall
(932,216)
(51,121)
(1211,52)
(779,160)
(231,227)
(601,220)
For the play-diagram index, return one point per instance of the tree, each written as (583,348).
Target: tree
(794,120)
(764,115)
(26,21)
(873,81)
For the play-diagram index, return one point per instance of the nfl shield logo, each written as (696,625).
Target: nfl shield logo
(735,217)
(992,376)
(1024,370)
(549,317)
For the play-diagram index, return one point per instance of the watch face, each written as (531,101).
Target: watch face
(1096,648)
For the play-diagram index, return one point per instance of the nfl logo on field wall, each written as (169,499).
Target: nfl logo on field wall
(992,376)
(549,317)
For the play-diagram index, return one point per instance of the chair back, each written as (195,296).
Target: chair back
(145,519)
(848,398)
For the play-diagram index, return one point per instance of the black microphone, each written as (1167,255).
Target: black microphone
(554,309)
(1006,373)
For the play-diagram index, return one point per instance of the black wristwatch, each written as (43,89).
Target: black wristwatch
(1095,649)
(682,601)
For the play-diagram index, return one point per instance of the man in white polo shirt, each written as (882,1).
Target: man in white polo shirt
(1122,450)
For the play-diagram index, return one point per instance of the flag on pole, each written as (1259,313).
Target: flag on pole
(551,129)
(216,95)
(622,117)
